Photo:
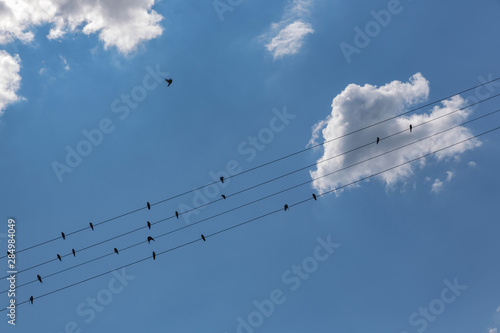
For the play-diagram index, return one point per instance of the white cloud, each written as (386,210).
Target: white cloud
(360,106)
(123,24)
(438,184)
(498,309)
(287,36)
(289,40)
(10,80)
(427,179)
(492,330)
(472,164)
(65,63)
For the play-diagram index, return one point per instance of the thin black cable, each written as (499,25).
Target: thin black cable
(276,193)
(270,162)
(282,176)
(261,216)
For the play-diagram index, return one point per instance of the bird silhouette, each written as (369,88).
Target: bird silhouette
(116,250)
(8,253)
(286,207)
(154,255)
(378,139)
(314,196)
(177,214)
(59,257)
(223,196)
(149,205)
(91,226)
(149,225)
(31,299)
(203,237)
(74,252)
(150,239)
(411,128)
(169,81)
(222,179)
(63,235)
(39,278)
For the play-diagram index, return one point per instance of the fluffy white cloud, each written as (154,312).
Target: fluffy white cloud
(492,330)
(10,80)
(472,164)
(360,106)
(287,36)
(65,63)
(123,24)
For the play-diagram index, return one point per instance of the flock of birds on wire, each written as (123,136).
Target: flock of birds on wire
(149,239)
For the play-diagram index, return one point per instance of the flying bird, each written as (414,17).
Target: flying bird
(74,252)
(59,257)
(378,139)
(31,299)
(177,214)
(154,255)
(169,81)
(150,239)
(116,250)
(411,128)
(149,206)
(223,196)
(222,179)
(286,207)
(149,225)
(63,235)
(203,237)
(39,278)
(314,196)
(91,226)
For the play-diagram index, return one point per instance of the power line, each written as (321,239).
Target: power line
(270,162)
(261,216)
(268,196)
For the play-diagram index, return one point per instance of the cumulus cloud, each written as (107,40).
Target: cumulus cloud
(10,80)
(123,24)
(287,36)
(360,106)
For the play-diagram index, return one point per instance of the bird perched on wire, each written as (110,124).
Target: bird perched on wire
(169,81)
(222,179)
(378,139)
(203,237)
(223,196)
(31,299)
(59,257)
(74,252)
(177,214)
(314,196)
(149,225)
(411,128)
(150,239)
(63,235)
(91,226)
(149,205)
(286,207)
(39,278)
(116,251)
(154,255)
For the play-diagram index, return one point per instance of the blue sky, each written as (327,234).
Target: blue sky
(422,238)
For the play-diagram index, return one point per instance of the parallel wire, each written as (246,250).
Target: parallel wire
(259,217)
(266,197)
(268,163)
